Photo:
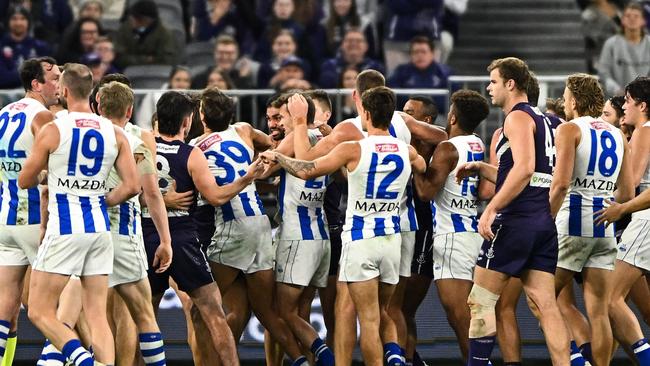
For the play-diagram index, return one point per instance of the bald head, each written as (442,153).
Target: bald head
(78,79)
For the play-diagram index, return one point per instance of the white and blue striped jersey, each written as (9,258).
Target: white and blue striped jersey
(301,204)
(17,206)
(399,130)
(125,217)
(456,203)
(598,161)
(228,159)
(77,174)
(375,188)
(643,185)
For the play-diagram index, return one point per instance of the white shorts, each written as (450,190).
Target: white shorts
(18,244)
(86,254)
(634,247)
(455,255)
(365,259)
(243,243)
(129,260)
(577,252)
(406,254)
(302,262)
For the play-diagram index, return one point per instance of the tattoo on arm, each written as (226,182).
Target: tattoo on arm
(295,167)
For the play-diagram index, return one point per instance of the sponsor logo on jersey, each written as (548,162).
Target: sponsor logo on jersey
(83,184)
(372,206)
(205,144)
(167,149)
(87,123)
(10,166)
(596,184)
(18,106)
(475,146)
(386,148)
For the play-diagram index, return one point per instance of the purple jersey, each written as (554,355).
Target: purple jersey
(531,207)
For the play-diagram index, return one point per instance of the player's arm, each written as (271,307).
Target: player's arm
(486,187)
(342,155)
(427,133)
(443,161)
(259,139)
(640,153)
(41,119)
(418,165)
(567,138)
(204,180)
(520,130)
(624,182)
(47,140)
(155,203)
(344,131)
(615,211)
(126,170)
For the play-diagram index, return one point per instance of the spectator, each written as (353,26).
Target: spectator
(143,39)
(79,41)
(405,19)
(626,56)
(351,53)
(284,46)
(347,81)
(179,79)
(91,9)
(600,20)
(216,17)
(104,49)
(291,68)
(219,79)
(450,25)
(111,10)
(423,71)
(343,15)
(49,18)
(17,46)
(281,18)
(227,60)
(295,84)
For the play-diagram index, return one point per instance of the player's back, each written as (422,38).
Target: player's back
(531,206)
(301,204)
(229,157)
(17,206)
(375,188)
(456,203)
(77,173)
(598,161)
(172,163)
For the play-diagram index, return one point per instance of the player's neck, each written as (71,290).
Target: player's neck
(513,101)
(458,132)
(36,96)
(121,122)
(633,36)
(372,131)
(179,136)
(79,106)
(640,123)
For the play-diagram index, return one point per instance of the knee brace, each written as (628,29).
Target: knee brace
(482,304)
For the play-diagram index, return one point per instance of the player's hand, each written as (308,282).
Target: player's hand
(178,201)
(297,106)
(162,259)
(466,170)
(323,127)
(610,214)
(485,223)
(255,170)
(269,157)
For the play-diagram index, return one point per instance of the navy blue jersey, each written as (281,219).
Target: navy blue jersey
(531,207)
(171,162)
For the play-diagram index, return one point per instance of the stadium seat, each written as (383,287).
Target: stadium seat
(148,76)
(199,54)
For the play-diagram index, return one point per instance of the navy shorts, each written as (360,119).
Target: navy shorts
(189,268)
(422,262)
(204,219)
(335,245)
(516,249)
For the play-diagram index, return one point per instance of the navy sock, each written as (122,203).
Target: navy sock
(417,360)
(74,351)
(576,356)
(480,350)
(393,354)
(585,349)
(324,355)
(641,350)
(299,361)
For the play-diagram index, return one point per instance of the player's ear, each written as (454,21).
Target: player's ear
(129,112)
